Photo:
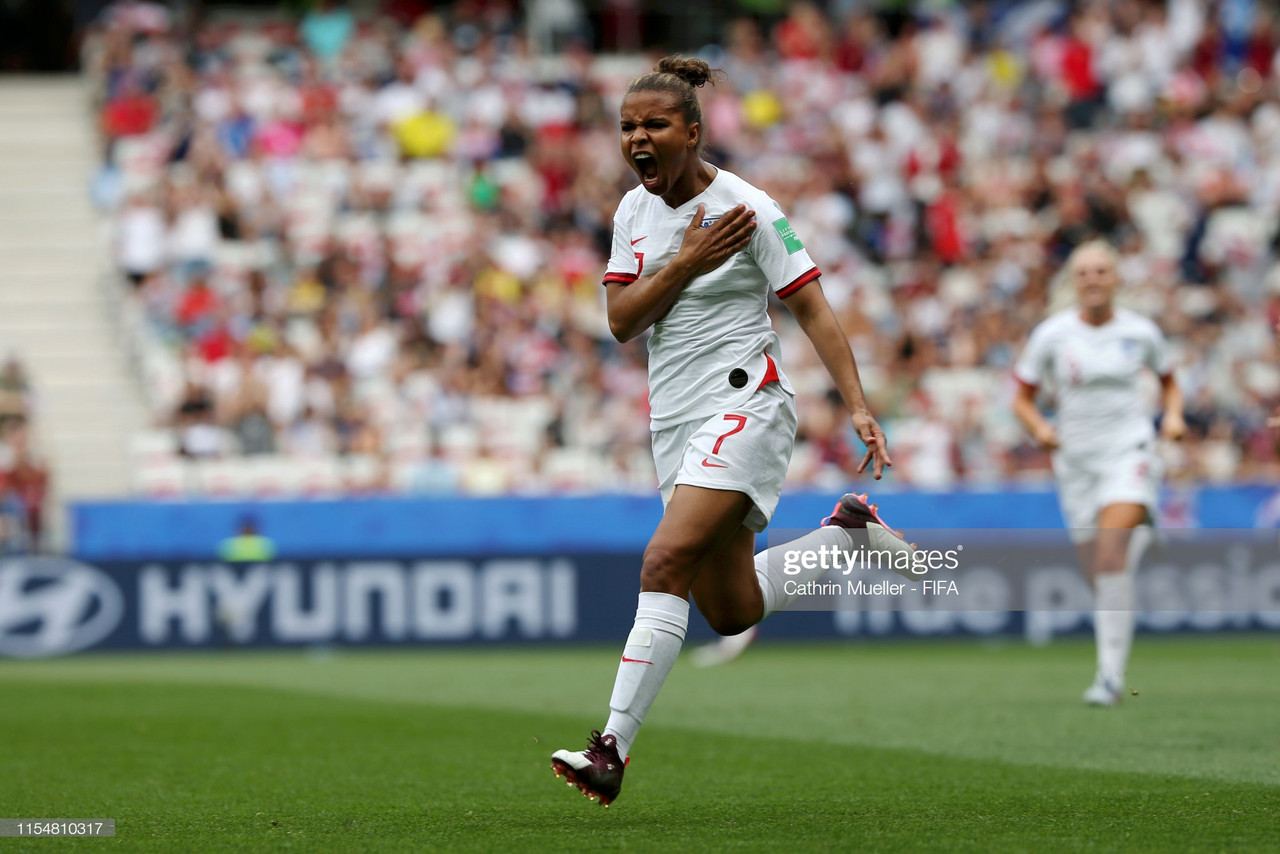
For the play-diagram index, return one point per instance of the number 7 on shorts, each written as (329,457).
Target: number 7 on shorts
(742,422)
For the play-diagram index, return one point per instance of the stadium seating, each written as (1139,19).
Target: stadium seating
(400,248)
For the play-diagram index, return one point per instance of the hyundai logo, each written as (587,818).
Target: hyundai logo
(53,606)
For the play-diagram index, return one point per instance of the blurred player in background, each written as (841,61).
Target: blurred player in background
(1104,453)
(696,252)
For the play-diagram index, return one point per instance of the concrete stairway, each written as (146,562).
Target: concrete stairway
(54,309)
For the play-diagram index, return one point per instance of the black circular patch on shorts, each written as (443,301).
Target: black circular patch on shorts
(737,378)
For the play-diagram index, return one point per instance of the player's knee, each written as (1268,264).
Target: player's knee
(666,570)
(1109,554)
(1108,563)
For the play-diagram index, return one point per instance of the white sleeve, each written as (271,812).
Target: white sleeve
(779,253)
(1032,367)
(625,264)
(1157,355)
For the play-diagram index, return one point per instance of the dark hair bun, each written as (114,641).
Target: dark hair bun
(695,72)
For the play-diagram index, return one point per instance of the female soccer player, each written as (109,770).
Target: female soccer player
(1103,447)
(696,251)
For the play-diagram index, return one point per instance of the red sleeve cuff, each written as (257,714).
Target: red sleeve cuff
(797,284)
(1025,384)
(618,278)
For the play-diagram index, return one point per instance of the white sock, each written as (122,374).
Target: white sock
(1113,624)
(770,563)
(1114,601)
(652,647)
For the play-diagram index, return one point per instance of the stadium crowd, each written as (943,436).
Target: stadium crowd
(375,246)
(24,479)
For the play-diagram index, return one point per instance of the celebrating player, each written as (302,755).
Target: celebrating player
(696,251)
(1103,447)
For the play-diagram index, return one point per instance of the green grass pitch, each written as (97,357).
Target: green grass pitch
(956,746)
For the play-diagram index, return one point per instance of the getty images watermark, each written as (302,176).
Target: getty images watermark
(847,571)
(1223,576)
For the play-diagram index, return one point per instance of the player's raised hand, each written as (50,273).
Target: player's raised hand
(705,249)
(873,437)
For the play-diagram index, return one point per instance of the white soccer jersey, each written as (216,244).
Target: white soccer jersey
(1096,371)
(715,346)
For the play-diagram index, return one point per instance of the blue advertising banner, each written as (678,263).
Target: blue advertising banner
(1002,584)
(104,531)
(422,527)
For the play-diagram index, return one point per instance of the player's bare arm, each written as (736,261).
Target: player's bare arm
(636,306)
(812,311)
(1172,425)
(1024,408)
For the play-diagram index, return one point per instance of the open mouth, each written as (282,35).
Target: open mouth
(647,167)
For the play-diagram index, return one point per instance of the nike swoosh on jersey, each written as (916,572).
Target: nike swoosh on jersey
(637,240)
(712,465)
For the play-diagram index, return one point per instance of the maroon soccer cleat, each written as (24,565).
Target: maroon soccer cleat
(596,771)
(854,511)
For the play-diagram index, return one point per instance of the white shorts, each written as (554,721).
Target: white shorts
(745,450)
(1088,483)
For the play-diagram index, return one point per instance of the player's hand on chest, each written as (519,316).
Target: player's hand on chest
(734,273)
